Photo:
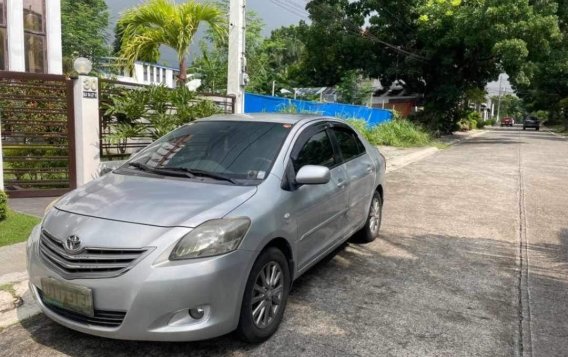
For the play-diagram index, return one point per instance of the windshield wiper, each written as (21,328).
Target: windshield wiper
(182,171)
(161,171)
(203,173)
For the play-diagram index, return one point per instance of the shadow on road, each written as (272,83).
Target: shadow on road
(399,294)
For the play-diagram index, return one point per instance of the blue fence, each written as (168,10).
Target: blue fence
(255,103)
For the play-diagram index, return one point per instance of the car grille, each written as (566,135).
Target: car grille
(89,262)
(101,318)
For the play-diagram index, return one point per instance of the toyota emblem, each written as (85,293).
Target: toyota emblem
(73,244)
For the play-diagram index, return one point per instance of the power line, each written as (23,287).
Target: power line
(296,10)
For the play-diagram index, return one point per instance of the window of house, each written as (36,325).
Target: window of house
(145,72)
(164,75)
(3,39)
(152,74)
(34,36)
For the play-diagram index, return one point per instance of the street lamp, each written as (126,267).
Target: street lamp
(82,65)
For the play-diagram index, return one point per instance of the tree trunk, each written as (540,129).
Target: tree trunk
(182,71)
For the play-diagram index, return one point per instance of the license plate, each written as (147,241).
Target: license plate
(68,296)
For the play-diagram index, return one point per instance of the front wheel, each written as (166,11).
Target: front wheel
(265,297)
(370,231)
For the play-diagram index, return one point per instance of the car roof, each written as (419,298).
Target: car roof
(283,118)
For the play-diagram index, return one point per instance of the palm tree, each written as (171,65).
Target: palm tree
(163,22)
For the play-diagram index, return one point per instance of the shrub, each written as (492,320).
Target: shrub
(490,122)
(398,132)
(3,205)
(463,125)
(480,124)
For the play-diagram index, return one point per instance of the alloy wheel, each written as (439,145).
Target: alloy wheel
(267,294)
(375,216)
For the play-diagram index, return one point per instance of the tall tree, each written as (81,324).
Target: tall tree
(83,30)
(163,22)
(441,48)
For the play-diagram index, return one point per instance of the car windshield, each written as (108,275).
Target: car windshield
(228,151)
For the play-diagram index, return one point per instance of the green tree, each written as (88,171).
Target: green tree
(83,30)
(441,48)
(353,89)
(163,22)
(511,106)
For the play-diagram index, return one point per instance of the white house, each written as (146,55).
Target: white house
(142,72)
(30,36)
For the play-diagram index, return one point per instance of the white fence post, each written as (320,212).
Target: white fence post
(87,138)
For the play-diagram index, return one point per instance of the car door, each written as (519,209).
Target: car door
(360,174)
(318,210)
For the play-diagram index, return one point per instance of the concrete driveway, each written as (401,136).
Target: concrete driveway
(472,260)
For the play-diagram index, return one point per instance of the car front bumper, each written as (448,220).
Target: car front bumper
(157,297)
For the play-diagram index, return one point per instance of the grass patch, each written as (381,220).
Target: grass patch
(16,227)
(398,133)
(558,128)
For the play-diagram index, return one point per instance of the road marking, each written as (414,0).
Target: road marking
(524,312)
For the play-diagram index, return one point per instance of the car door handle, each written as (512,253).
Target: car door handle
(340,184)
(370,168)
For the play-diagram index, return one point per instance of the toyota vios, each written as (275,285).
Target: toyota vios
(204,231)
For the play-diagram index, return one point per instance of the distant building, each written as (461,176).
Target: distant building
(398,99)
(30,36)
(142,73)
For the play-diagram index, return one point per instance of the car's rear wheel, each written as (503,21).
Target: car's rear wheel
(370,231)
(265,296)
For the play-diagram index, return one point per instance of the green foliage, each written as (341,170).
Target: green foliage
(143,29)
(398,132)
(16,227)
(445,49)
(153,111)
(83,30)
(353,89)
(3,205)
(511,106)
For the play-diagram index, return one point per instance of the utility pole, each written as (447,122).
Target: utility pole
(499,100)
(236,76)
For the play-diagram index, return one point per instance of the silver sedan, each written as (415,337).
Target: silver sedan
(204,231)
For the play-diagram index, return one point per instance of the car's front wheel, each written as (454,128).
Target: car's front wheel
(265,296)
(370,231)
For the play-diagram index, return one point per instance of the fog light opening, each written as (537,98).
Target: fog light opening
(197,313)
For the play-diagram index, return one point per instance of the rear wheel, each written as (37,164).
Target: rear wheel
(370,231)
(537,128)
(265,296)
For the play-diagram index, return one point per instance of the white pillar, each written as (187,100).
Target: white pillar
(236,70)
(53,33)
(15,22)
(86,98)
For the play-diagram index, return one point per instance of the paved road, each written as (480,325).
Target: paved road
(472,261)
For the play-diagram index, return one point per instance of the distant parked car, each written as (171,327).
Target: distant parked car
(507,121)
(204,231)
(531,122)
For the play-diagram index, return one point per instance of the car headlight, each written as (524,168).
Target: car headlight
(214,237)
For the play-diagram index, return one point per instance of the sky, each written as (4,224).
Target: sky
(275,13)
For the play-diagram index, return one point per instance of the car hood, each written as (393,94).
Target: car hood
(153,201)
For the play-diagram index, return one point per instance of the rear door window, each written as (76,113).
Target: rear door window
(349,144)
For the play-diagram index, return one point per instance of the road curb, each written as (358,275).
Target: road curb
(400,162)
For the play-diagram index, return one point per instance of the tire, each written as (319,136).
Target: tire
(537,128)
(370,230)
(524,128)
(250,330)
(501,125)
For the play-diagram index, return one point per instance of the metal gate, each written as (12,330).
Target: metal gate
(37,127)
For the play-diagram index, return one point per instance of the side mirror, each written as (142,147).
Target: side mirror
(313,175)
